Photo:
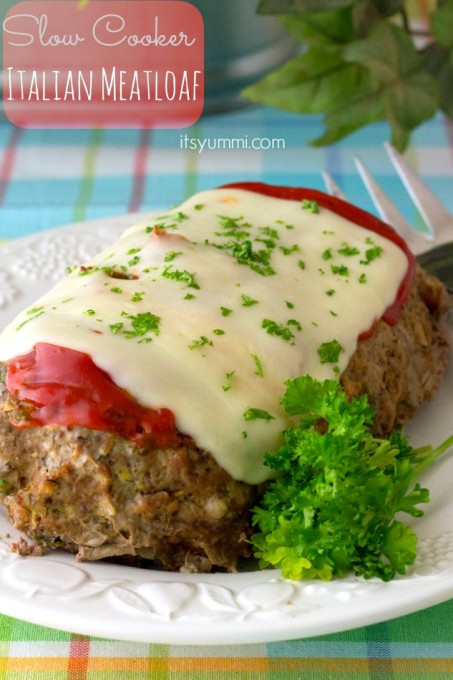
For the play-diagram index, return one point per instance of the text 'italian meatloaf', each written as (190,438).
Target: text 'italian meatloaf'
(139,396)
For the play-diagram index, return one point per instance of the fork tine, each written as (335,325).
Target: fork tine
(388,211)
(432,210)
(331,186)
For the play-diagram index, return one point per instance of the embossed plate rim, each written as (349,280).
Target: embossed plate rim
(125,603)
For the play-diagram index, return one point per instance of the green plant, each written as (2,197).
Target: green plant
(335,505)
(360,62)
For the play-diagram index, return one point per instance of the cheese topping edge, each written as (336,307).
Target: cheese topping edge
(211,308)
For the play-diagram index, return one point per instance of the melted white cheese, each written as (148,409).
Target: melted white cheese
(233,294)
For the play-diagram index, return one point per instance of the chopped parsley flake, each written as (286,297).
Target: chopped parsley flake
(90,312)
(279,329)
(268,231)
(310,205)
(171,255)
(242,247)
(140,325)
(234,226)
(372,254)
(257,414)
(329,352)
(327,254)
(170,221)
(349,251)
(138,296)
(144,323)
(259,366)
(32,314)
(229,381)
(330,292)
(218,331)
(200,342)
(116,272)
(243,253)
(85,271)
(180,275)
(248,301)
(301,264)
(225,311)
(115,289)
(268,242)
(339,269)
(287,251)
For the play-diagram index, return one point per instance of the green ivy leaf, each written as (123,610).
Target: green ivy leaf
(441,21)
(387,51)
(396,89)
(321,28)
(368,12)
(438,61)
(361,109)
(359,65)
(310,83)
(445,78)
(409,94)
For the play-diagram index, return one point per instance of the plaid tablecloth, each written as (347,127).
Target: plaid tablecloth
(415,647)
(53,177)
(50,178)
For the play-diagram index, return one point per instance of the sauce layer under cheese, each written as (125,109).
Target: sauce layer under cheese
(207,310)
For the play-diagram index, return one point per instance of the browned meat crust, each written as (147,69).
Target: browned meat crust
(100,496)
(401,367)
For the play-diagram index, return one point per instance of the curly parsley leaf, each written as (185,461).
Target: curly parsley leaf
(332,508)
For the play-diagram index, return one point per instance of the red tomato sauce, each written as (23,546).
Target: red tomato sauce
(64,387)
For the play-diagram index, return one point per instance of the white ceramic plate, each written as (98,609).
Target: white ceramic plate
(253,606)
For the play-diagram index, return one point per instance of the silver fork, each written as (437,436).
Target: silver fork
(433,248)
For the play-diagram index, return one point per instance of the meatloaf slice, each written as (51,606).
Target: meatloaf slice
(400,367)
(100,496)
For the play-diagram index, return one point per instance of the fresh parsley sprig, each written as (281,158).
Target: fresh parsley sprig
(361,61)
(332,508)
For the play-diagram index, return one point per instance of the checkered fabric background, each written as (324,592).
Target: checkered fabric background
(50,178)
(415,647)
(53,177)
